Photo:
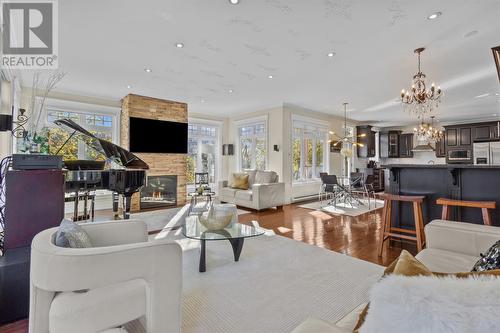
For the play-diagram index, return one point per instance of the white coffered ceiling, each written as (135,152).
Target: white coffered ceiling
(106,45)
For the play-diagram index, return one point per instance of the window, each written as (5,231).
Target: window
(252,146)
(309,147)
(101,125)
(203,143)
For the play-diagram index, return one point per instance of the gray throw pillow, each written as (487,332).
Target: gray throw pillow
(72,235)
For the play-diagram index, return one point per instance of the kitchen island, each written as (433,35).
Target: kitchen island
(453,181)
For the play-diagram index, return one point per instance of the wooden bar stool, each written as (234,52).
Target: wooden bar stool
(388,231)
(484,205)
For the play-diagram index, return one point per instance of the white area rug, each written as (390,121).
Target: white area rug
(346,209)
(277,284)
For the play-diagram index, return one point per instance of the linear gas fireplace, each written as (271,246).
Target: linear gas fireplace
(159,192)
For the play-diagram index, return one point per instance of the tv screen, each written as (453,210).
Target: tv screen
(157,136)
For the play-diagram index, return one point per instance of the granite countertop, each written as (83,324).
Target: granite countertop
(441,166)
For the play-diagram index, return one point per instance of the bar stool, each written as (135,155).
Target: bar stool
(484,205)
(388,231)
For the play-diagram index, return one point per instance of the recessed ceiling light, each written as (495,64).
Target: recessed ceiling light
(496,94)
(482,95)
(470,33)
(148,70)
(230,91)
(331,54)
(269,76)
(434,15)
(234,2)
(494,114)
(179,45)
(203,101)
(129,86)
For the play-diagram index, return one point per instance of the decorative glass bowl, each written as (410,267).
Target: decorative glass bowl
(215,222)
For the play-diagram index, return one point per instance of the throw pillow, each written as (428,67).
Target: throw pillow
(406,265)
(489,261)
(251,176)
(265,177)
(434,304)
(240,181)
(72,235)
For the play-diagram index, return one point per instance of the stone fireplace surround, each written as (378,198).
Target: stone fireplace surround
(159,163)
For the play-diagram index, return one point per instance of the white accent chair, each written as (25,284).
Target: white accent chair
(122,278)
(265,191)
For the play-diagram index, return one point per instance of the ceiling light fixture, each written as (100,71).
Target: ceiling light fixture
(418,99)
(331,54)
(203,101)
(234,2)
(482,95)
(470,33)
(148,70)
(230,91)
(179,45)
(347,140)
(269,76)
(434,15)
(129,86)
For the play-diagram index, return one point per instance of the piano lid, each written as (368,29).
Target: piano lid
(112,152)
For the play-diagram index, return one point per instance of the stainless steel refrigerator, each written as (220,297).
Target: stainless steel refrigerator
(487,153)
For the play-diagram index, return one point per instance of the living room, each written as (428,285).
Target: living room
(347,153)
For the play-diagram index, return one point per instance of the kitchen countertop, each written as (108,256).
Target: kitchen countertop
(441,166)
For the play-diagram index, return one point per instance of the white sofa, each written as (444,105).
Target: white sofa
(123,277)
(451,247)
(265,191)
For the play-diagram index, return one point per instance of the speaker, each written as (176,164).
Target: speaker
(5,122)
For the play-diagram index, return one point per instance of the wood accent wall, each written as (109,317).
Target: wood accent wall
(159,164)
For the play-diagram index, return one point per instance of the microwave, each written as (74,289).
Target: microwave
(459,156)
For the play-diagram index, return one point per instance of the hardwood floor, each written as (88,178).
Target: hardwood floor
(354,236)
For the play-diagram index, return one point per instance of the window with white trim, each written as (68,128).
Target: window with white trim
(309,150)
(203,143)
(252,145)
(101,124)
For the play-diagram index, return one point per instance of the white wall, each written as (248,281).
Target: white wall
(279,121)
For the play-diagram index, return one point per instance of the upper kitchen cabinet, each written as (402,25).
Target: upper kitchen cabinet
(486,131)
(383,144)
(365,137)
(394,143)
(458,136)
(406,145)
(440,148)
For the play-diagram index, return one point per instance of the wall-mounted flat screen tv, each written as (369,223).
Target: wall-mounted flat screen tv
(157,136)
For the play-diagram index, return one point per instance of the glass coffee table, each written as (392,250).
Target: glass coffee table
(235,234)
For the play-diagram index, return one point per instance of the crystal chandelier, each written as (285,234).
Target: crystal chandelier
(418,99)
(347,139)
(427,132)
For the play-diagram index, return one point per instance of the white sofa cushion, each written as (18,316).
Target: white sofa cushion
(90,311)
(434,304)
(251,176)
(227,192)
(443,261)
(265,177)
(350,320)
(244,195)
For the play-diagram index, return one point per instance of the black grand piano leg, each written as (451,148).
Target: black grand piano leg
(115,204)
(75,209)
(126,207)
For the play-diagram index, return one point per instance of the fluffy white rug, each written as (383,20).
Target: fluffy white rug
(434,304)
(355,209)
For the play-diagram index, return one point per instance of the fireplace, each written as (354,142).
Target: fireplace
(159,192)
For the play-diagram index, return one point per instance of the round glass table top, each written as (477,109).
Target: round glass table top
(195,230)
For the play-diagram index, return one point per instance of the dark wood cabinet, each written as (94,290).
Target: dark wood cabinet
(406,145)
(366,137)
(378,180)
(393,137)
(485,131)
(459,136)
(451,137)
(464,137)
(383,144)
(440,148)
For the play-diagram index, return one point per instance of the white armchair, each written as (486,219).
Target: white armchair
(122,278)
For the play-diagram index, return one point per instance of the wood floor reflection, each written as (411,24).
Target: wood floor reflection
(355,236)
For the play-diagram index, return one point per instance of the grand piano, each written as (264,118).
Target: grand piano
(121,172)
